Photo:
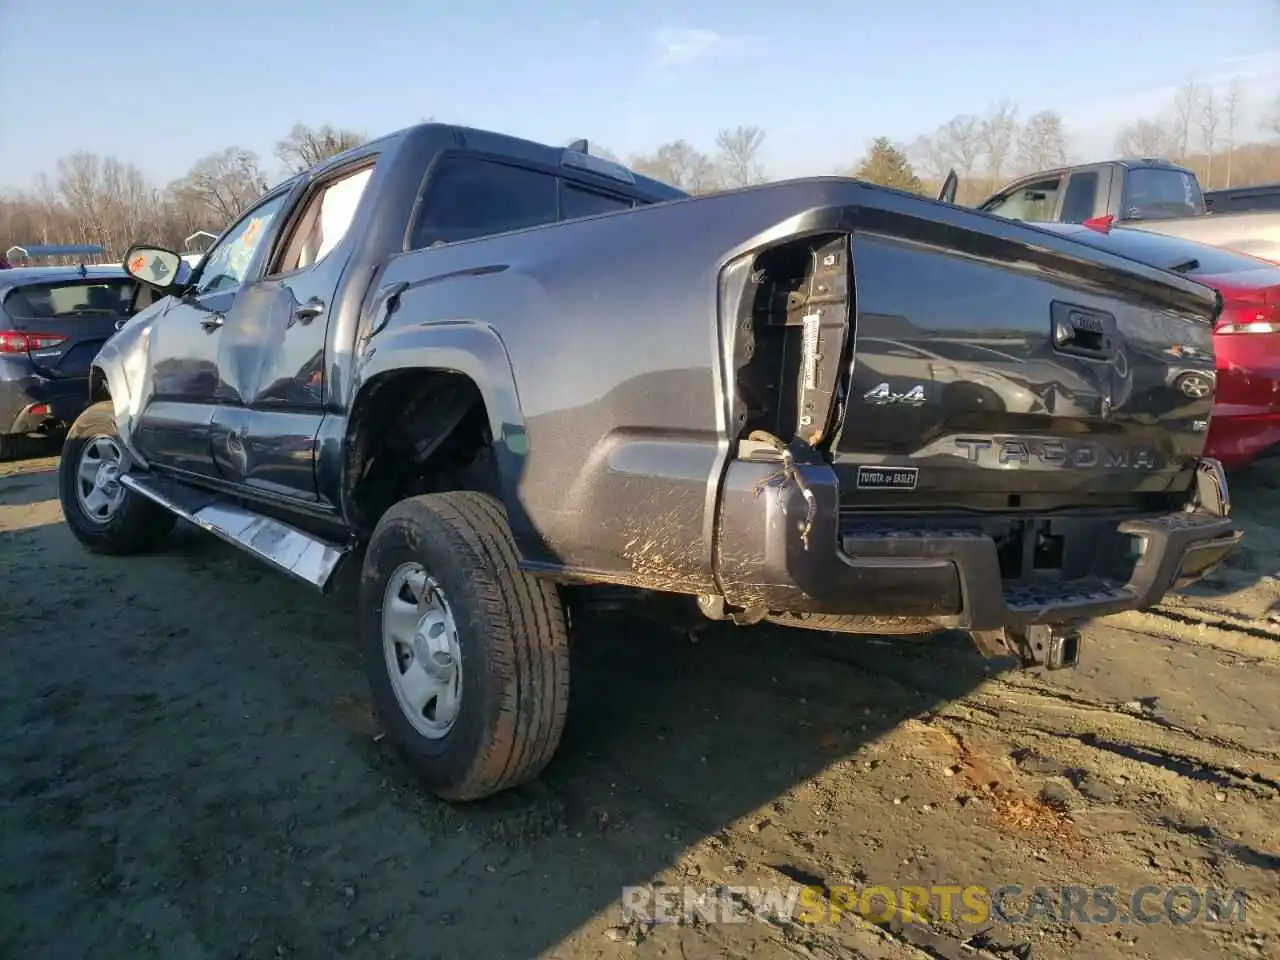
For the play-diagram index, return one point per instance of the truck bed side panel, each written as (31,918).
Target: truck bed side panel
(609,327)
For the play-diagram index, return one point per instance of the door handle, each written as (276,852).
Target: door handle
(309,310)
(213,322)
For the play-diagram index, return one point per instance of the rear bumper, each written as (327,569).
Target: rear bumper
(949,570)
(25,395)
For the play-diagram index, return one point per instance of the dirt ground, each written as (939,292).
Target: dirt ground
(188,769)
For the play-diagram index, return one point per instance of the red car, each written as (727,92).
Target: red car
(1246,410)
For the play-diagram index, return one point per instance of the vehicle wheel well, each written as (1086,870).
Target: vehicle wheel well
(414,432)
(99,389)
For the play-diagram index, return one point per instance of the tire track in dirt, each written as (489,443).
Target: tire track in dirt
(1136,711)
(1188,748)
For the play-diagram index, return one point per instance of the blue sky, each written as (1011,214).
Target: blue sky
(163,83)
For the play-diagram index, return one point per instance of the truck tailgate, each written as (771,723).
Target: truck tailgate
(976,374)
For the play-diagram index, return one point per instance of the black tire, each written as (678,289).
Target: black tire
(16,446)
(137,525)
(512,640)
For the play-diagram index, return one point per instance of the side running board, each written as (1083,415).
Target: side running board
(299,554)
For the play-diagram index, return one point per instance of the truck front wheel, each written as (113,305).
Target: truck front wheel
(104,515)
(467,656)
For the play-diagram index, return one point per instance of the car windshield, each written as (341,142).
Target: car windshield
(1151,193)
(56,301)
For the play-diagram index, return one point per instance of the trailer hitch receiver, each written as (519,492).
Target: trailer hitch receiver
(1052,646)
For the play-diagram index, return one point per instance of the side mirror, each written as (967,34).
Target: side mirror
(157,267)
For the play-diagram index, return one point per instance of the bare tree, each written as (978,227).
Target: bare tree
(930,155)
(1271,119)
(1210,121)
(304,147)
(79,186)
(88,198)
(997,132)
(1186,107)
(739,156)
(1231,116)
(222,185)
(47,207)
(680,165)
(1145,138)
(1042,142)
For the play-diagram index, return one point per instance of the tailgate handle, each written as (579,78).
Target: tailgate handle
(1081,331)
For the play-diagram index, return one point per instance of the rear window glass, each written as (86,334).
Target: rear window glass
(64,301)
(468,198)
(1157,250)
(1153,194)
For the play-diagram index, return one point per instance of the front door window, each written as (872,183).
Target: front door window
(226,266)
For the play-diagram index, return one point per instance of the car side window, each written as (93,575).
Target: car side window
(467,198)
(578,202)
(226,265)
(1030,201)
(1077,206)
(325,221)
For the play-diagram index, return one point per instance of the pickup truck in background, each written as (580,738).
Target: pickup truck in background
(531,381)
(1155,194)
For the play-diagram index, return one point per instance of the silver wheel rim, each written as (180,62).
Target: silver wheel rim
(98,486)
(1195,387)
(420,645)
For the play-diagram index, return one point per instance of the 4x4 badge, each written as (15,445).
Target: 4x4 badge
(881,396)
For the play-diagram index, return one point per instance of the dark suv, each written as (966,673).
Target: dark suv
(53,320)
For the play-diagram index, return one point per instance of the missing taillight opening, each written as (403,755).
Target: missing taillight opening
(791,335)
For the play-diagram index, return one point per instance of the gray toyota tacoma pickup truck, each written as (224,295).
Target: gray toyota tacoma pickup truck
(524,379)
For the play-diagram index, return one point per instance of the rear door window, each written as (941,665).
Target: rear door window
(467,198)
(1078,205)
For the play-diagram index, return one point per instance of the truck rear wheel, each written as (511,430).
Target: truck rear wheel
(104,515)
(467,656)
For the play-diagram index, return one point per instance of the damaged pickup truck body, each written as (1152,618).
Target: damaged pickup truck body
(525,376)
